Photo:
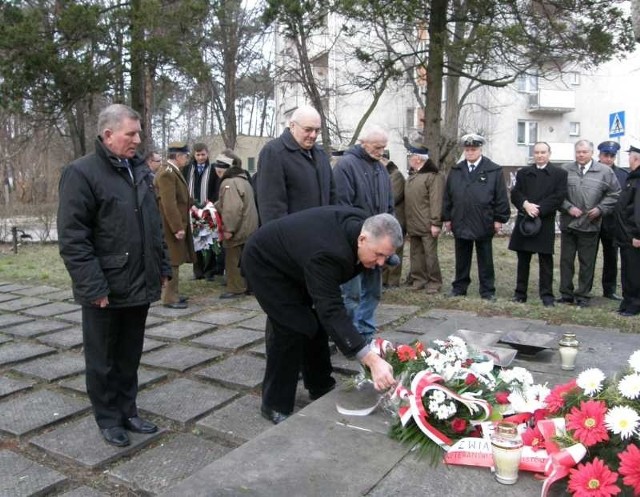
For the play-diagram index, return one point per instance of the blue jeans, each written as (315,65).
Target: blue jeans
(361,296)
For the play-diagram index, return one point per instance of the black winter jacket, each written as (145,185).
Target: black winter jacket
(473,202)
(627,212)
(110,230)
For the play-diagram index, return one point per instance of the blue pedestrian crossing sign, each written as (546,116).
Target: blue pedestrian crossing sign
(616,124)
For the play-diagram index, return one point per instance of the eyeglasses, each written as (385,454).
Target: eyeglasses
(308,129)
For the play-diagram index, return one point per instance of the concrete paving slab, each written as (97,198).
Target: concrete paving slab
(83,492)
(61,295)
(237,422)
(398,310)
(248,304)
(36,410)
(259,350)
(447,314)
(22,477)
(398,337)
(178,330)
(179,357)
(65,339)
(4,297)
(11,385)
(10,320)
(230,339)
(341,461)
(5,338)
(74,317)
(343,365)
(31,328)
(420,325)
(168,313)
(34,291)
(11,287)
(21,304)
(16,352)
(224,317)
(151,344)
(146,377)
(80,442)
(257,323)
(53,367)
(183,400)
(167,464)
(52,309)
(238,371)
(154,321)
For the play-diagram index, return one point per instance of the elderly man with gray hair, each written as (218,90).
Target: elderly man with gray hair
(362,181)
(593,192)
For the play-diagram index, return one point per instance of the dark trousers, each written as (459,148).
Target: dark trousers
(486,274)
(545,265)
(585,245)
(609,265)
(630,278)
(208,267)
(289,353)
(113,339)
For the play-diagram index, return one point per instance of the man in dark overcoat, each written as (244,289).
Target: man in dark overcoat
(110,238)
(538,194)
(627,216)
(475,206)
(293,172)
(295,266)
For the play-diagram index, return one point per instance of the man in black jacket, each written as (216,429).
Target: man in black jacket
(295,266)
(475,206)
(110,238)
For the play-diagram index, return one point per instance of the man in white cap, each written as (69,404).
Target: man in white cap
(476,204)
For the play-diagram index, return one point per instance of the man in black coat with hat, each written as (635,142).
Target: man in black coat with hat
(295,266)
(537,194)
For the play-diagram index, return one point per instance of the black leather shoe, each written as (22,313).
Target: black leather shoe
(627,314)
(612,296)
(183,298)
(139,425)
(231,295)
(519,300)
(565,300)
(582,303)
(115,436)
(274,416)
(548,303)
(177,305)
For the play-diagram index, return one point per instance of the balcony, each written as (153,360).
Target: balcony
(552,102)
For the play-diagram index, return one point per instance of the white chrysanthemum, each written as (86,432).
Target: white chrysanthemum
(446,410)
(634,361)
(519,375)
(529,399)
(438,396)
(591,381)
(629,386)
(622,420)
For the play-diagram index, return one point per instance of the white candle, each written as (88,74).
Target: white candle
(506,461)
(568,358)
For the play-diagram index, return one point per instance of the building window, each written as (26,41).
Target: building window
(574,129)
(411,117)
(251,164)
(527,83)
(527,132)
(574,78)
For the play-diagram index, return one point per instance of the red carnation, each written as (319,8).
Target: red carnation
(502,397)
(459,425)
(470,379)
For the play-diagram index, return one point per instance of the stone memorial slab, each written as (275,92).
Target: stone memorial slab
(224,317)
(4,338)
(16,352)
(65,339)
(178,330)
(4,297)
(167,464)
(10,320)
(419,326)
(12,287)
(61,295)
(11,385)
(52,309)
(246,304)
(83,492)
(230,339)
(53,367)
(257,323)
(166,312)
(345,366)
(36,410)
(22,303)
(33,291)
(237,422)
(179,357)
(151,344)
(146,377)
(73,317)
(238,371)
(183,400)
(31,328)
(80,442)
(153,321)
(22,477)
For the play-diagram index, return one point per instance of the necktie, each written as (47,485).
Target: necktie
(471,167)
(125,163)
(200,169)
(581,170)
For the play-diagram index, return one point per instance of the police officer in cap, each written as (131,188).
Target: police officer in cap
(608,151)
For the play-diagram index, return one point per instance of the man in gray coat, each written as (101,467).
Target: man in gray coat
(592,192)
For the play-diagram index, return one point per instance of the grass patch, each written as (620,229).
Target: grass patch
(41,264)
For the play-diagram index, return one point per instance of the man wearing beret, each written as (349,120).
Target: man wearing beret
(607,156)
(592,192)
(174,202)
(476,204)
(538,193)
(627,217)
(110,237)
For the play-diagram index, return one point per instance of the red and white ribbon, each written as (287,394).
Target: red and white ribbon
(422,383)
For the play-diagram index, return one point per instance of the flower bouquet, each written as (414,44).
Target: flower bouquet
(204,229)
